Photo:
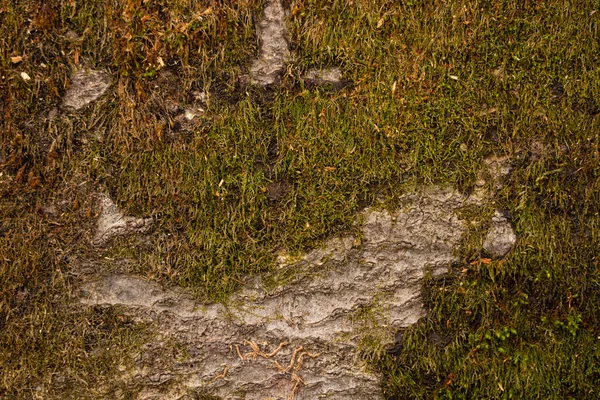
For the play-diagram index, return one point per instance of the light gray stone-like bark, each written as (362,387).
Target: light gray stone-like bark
(331,75)
(112,223)
(500,238)
(300,339)
(274,52)
(86,86)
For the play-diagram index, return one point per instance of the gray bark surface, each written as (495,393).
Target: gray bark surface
(301,339)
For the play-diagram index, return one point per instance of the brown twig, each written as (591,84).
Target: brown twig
(292,361)
(237,348)
(301,359)
(256,351)
(222,375)
(297,382)
(277,350)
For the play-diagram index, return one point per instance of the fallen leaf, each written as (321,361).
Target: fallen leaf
(297,9)
(379,23)
(16,60)
(33,180)
(20,173)
(481,261)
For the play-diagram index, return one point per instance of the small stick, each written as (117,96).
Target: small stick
(297,382)
(299,349)
(281,346)
(301,358)
(256,351)
(278,367)
(237,348)
(222,375)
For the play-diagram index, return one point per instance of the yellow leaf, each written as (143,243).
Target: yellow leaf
(297,9)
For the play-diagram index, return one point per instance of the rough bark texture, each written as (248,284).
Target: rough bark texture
(500,238)
(112,223)
(300,339)
(320,76)
(274,52)
(86,86)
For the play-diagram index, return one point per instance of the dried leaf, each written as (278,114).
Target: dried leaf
(297,9)
(33,181)
(481,261)
(20,173)
(16,60)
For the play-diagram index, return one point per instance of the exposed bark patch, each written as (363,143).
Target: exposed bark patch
(112,223)
(501,237)
(300,340)
(86,86)
(274,52)
(331,77)
(496,170)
